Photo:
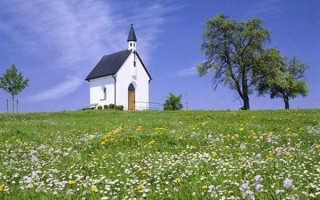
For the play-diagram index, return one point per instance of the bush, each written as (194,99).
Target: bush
(120,107)
(173,102)
(105,107)
(111,106)
(99,107)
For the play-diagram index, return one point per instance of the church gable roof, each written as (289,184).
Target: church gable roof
(109,64)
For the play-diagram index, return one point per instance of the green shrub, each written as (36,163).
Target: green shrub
(99,107)
(173,102)
(105,107)
(111,106)
(120,107)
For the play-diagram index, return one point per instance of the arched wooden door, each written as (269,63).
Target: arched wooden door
(131,97)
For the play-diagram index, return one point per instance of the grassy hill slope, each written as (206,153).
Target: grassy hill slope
(160,155)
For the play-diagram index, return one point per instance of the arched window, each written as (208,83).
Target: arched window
(104,93)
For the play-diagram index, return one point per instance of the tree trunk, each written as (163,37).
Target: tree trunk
(12,103)
(286,102)
(246,103)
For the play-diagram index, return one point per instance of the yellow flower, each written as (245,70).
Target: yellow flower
(152,142)
(233,137)
(204,187)
(270,155)
(241,129)
(214,154)
(160,129)
(140,187)
(95,158)
(90,137)
(140,128)
(317,146)
(177,180)
(94,188)
(288,153)
(72,182)
(270,134)
(2,187)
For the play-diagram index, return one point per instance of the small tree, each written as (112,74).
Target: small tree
(284,80)
(173,102)
(13,82)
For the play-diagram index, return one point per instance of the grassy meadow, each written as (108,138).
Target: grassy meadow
(160,155)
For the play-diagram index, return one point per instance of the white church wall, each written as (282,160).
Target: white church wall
(96,90)
(141,83)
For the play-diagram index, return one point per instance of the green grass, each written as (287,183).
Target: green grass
(160,155)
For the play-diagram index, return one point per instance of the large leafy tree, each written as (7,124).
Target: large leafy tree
(13,82)
(283,80)
(232,49)
(173,102)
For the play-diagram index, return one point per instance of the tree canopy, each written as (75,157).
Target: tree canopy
(13,82)
(284,80)
(232,49)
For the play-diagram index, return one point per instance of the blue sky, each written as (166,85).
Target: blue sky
(57,43)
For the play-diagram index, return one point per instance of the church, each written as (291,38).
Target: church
(121,78)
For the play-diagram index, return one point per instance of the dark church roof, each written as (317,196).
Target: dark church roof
(109,64)
(132,35)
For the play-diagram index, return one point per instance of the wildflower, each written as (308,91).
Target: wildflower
(140,187)
(70,192)
(233,137)
(34,159)
(288,183)
(293,197)
(90,137)
(94,188)
(72,182)
(2,187)
(241,129)
(176,189)
(245,185)
(211,187)
(204,187)
(214,154)
(140,128)
(152,142)
(259,188)
(270,134)
(288,153)
(317,146)
(177,180)
(279,192)
(258,178)
(249,194)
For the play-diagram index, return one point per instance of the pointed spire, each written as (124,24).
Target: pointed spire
(132,35)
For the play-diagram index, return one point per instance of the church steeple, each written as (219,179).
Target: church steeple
(132,39)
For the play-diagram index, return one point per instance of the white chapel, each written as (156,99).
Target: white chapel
(121,78)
